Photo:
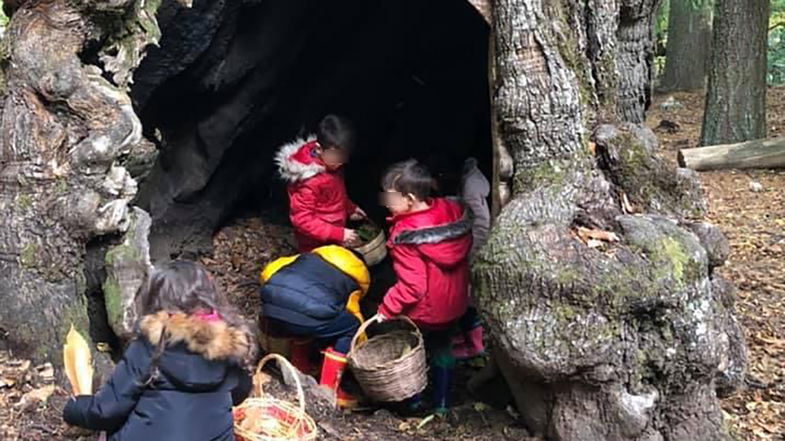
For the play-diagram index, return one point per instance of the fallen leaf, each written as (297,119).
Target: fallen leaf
(36,396)
(770,340)
(425,421)
(626,206)
(587,234)
(21,365)
(46,371)
(594,243)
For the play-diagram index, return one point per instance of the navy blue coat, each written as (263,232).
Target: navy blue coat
(307,292)
(190,396)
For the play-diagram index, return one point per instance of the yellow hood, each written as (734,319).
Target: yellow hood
(347,262)
(340,258)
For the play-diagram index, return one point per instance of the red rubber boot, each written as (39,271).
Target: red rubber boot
(300,355)
(332,370)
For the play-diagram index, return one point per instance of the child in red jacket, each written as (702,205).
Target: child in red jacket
(318,203)
(429,243)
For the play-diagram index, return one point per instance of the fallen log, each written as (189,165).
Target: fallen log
(759,153)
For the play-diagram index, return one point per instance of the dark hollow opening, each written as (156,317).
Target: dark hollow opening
(232,80)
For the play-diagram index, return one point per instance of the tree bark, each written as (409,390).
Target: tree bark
(736,93)
(629,341)
(63,126)
(760,153)
(634,46)
(689,45)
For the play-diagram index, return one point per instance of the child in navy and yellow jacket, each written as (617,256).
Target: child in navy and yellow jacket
(317,294)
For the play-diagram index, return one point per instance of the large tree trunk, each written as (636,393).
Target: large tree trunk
(632,339)
(62,130)
(736,93)
(689,45)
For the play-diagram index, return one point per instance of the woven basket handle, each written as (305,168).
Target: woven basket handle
(377,319)
(284,364)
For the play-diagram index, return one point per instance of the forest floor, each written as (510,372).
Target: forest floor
(754,222)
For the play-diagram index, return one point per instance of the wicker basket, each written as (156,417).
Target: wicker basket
(275,420)
(391,366)
(375,250)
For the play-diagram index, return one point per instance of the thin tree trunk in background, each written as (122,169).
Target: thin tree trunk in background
(736,93)
(634,35)
(689,45)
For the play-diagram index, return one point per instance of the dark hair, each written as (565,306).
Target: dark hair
(186,287)
(409,177)
(335,132)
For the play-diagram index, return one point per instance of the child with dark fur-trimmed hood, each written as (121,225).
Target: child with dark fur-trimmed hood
(430,240)
(180,377)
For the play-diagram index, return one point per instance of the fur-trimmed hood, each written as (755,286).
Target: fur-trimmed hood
(295,162)
(442,232)
(213,340)
(438,233)
(181,391)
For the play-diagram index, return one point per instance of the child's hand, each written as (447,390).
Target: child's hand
(350,237)
(359,214)
(379,317)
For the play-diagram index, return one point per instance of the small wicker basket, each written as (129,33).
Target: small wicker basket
(375,250)
(391,366)
(274,419)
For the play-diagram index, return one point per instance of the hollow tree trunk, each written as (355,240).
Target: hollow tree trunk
(736,93)
(689,45)
(631,340)
(63,126)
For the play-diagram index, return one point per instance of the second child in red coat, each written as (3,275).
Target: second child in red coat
(430,240)
(319,206)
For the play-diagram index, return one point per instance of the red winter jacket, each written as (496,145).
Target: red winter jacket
(430,252)
(318,203)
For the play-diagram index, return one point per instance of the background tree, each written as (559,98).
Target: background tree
(776,53)
(689,44)
(736,93)
(597,284)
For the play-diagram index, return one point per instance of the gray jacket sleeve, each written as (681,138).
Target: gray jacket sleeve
(475,190)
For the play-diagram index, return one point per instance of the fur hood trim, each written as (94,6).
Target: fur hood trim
(214,340)
(291,168)
(437,234)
